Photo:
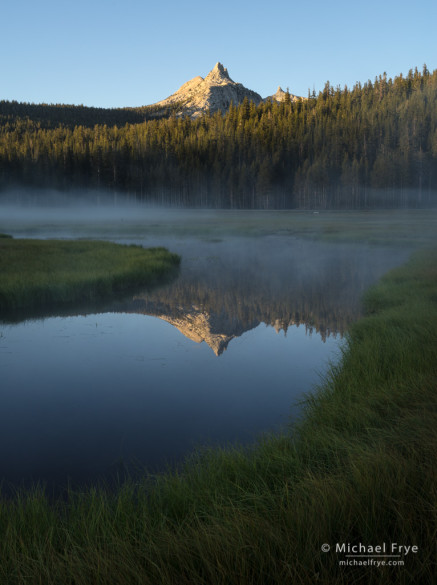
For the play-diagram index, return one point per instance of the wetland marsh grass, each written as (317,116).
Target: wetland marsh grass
(40,273)
(358,468)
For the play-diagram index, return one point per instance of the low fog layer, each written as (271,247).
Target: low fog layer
(94,214)
(20,207)
(270,275)
(100,214)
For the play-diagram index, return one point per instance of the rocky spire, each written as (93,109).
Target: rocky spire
(215,92)
(218,75)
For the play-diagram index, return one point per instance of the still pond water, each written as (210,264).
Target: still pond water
(223,353)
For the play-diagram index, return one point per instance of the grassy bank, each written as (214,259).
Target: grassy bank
(43,273)
(359,468)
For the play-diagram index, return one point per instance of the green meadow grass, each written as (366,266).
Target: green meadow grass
(358,468)
(43,273)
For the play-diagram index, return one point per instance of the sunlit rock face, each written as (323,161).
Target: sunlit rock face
(214,92)
(281,95)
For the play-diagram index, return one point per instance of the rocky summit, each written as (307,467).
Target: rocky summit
(214,92)
(281,95)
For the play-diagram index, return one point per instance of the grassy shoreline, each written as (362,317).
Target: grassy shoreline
(47,273)
(359,468)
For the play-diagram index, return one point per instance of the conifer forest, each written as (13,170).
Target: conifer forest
(373,145)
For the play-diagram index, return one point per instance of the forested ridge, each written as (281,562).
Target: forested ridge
(372,145)
(54,115)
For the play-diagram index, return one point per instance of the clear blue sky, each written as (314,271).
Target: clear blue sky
(135,52)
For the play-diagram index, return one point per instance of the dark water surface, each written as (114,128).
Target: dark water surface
(223,353)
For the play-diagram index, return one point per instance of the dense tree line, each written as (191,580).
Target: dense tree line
(54,115)
(372,145)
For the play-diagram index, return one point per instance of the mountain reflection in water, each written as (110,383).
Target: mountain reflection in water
(227,288)
(107,384)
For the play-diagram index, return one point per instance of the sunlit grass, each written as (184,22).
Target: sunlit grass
(40,273)
(359,468)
